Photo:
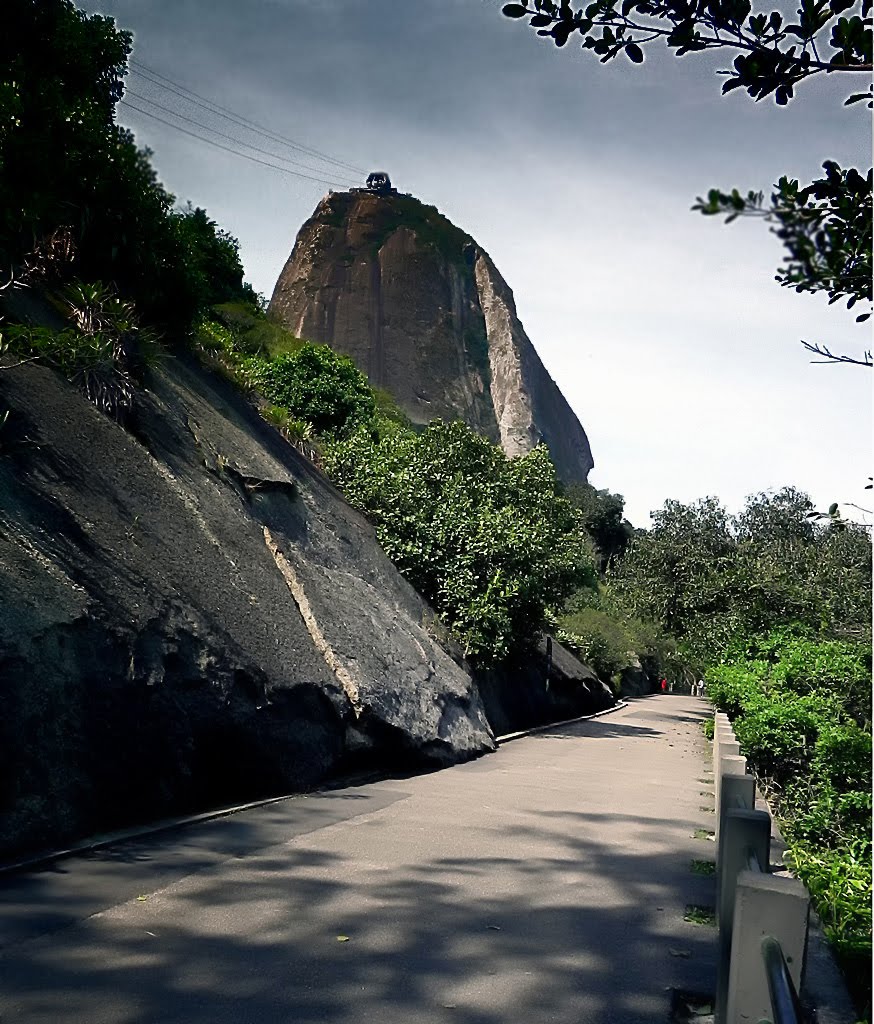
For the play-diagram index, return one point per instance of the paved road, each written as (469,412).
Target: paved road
(545,882)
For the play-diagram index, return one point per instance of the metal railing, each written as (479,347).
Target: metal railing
(785,1005)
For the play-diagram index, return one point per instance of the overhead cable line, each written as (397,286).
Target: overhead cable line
(156,78)
(227,149)
(223,135)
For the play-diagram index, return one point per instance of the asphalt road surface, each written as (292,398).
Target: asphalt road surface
(546,882)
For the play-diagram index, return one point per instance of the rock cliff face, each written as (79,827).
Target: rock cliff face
(190,614)
(423,311)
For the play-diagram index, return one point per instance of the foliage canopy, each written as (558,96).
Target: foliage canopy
(825,226)
(65,162)
(488,540)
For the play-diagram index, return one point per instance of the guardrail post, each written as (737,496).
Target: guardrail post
(737,791)
(729,764)
(721,731)
(764,905)
(729,747)
(744,832)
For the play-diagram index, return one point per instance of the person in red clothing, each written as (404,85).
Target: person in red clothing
(664,686)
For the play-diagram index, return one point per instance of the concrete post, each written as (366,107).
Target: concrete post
(729,764)
(743,832)
(764,905)
(722,733)
(729,748)
(737,791)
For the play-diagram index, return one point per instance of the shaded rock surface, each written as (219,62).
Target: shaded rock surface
(423,311)
(549,685)
(190,614)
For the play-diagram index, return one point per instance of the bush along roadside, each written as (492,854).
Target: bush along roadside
(796,712)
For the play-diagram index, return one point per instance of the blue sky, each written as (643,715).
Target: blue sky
(664,329)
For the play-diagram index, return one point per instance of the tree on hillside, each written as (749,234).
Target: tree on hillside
(489,541)
(681,570)
(825,226)
(64,162)
(602,514)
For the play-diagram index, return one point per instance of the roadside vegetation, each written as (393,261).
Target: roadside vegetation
(773,607)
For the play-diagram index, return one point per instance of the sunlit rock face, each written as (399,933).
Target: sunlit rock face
(424,312)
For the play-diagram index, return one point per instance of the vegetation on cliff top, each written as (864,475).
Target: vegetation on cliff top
(387,213)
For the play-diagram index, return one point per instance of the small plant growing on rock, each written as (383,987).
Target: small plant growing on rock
(105,351)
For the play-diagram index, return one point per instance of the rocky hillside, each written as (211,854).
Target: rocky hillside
(425,314)
(190,614)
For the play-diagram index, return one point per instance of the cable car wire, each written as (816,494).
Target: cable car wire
(227,149)
(231,138)
(162,82)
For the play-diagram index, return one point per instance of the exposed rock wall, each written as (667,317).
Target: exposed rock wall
(541,688)
(423,311)
(190,614)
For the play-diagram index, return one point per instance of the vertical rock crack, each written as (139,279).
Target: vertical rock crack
(349,685)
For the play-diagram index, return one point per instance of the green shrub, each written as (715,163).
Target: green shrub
(254,333)
(317,385)
(732,687)
(779,734)
(842,756)
(841,668)
(487,540)
(599,640)
(839,882)
(214,338)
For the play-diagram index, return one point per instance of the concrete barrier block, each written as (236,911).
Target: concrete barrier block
(729,764)
(729,748)
(743,832)
(722,734)
(736,792)
(764,905)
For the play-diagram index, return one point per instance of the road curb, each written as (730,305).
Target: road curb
(555,725)
(123,835)
(167,825)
